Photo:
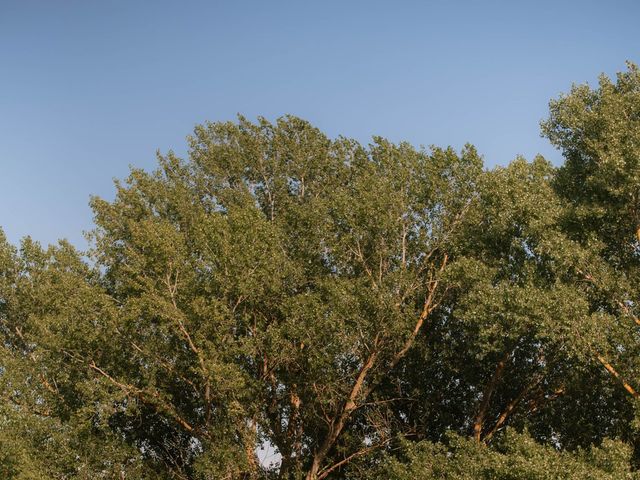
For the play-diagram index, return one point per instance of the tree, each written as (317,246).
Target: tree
(55,422)
(363,310)
(261,291)
(549,294)
(302,268)
(598,132)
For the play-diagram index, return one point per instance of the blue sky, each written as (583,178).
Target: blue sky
(88,88)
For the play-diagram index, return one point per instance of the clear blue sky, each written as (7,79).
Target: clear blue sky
(90,87)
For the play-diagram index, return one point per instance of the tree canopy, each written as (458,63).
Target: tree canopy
(360,311)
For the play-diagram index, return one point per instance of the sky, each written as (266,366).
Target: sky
(88,88)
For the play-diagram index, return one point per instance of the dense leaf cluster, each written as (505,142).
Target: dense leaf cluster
(286,305)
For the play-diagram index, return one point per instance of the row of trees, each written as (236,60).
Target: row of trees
(365,311)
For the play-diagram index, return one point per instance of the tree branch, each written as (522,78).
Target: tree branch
(486,396)
(511,406)
(326,471)
(617,376)
(152,399)
(427,308)
(173,289)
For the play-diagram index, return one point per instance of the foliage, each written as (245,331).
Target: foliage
(372,311)
(515,457)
